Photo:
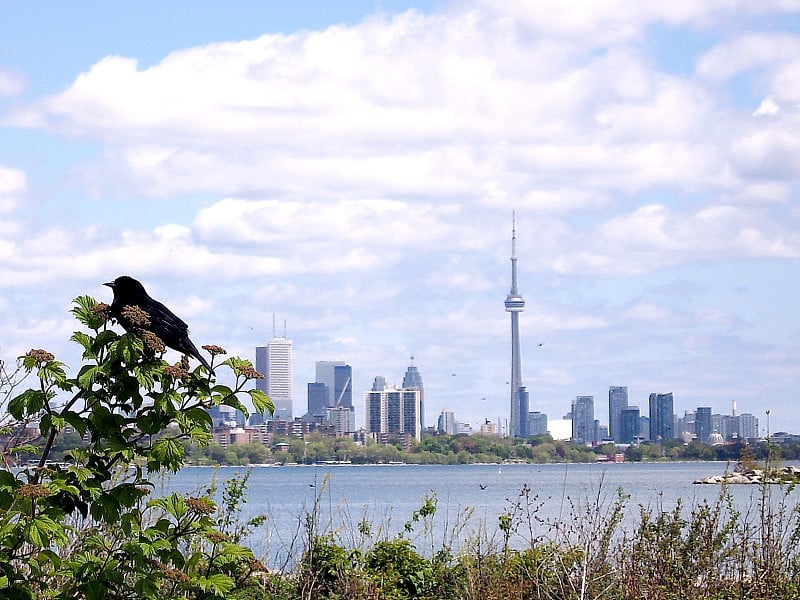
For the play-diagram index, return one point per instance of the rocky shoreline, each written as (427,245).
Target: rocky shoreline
(754,476)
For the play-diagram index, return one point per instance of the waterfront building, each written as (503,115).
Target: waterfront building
(515,304)
(447,423)
(644,427)
(412,380)
(537,423)
(488,428)
(342,419)
(274,361)
(392,411)
(629,425)
(583,423)
(748,426)
(702,424)
(662,417)
(317,399)
(617,401)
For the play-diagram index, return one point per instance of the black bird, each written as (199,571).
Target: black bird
(163,322)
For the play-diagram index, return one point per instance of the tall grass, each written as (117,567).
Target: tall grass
(710,550)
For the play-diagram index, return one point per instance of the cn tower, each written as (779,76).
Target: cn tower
(515,304)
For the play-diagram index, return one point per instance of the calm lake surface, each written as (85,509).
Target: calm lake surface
(387,496)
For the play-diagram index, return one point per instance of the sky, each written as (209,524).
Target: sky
(349,171)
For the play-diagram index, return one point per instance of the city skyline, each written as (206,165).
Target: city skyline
(355,169)
(581,409)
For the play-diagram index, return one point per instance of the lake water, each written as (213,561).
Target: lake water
(387,496)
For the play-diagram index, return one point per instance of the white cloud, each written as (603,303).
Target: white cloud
(10,84)
(13,185)
(767,107)
(746,52)
(414,106)
(360,181)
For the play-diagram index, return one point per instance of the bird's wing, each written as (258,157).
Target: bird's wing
(169,321)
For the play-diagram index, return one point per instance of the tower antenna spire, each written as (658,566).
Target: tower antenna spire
(515,304)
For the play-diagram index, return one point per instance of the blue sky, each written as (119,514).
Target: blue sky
(352,167)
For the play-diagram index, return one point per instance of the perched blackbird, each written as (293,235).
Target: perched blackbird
(162,321)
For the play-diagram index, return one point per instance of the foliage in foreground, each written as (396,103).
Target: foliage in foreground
(709,551)
(85,528)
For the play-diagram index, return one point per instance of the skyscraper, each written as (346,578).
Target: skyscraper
(629,424)
(412,380)
(702,424)
(326,374)
(662,417)
(583,426)
(342,387)
(515,304)
(318,400)
(617,401)
(274,361)
(447,423)
(392,411)
(537,423)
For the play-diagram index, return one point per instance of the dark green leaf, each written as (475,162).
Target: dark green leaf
(261,402)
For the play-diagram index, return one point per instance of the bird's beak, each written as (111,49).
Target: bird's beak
(110,284)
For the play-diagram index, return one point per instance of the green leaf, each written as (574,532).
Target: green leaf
(41,531)
(103,339)
(83,312)
(53,372)
(77,421)
(84,340)
(87,376)
(261,402)
(222,390)
(173,504)
(234,402)
(28,403)
(218,584)
(166,453)
(45,423)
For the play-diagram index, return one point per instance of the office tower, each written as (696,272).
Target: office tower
(617,401)
(447,423)
(515,304)
(662,417)
(412,380)
(326,373)
(702,424)
(392,411)
(318,399)
(729,427)
(583,425)
(342,386)
(274,361)
(644,427)
(629,424)
(748,426)
(342,418)
(537,423)
(379,383)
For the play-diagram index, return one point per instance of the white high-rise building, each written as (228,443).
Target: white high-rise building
(447,423)
(274,361)
(393,411)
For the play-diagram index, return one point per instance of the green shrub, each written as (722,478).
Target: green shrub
(85,528)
